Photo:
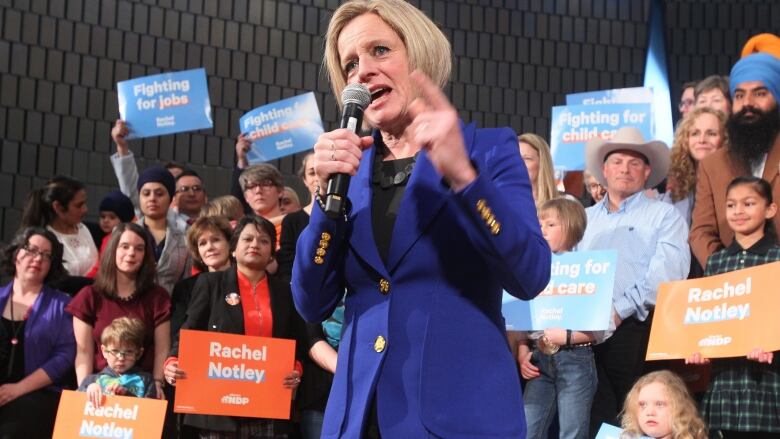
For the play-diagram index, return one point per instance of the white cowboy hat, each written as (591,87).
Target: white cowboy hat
(627,138)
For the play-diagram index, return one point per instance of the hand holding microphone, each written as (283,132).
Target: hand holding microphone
(337,154)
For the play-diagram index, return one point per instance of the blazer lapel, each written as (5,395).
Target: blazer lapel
(772,165)
(362,240)
(235,314)
(425,195)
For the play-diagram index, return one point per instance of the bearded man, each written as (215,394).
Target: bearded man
(754,147)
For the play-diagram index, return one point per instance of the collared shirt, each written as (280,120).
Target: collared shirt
(651,239)
(734,257)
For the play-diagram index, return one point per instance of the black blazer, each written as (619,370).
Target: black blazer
(208,311)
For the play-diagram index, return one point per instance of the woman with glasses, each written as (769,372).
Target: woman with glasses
(245,300)
(36,335)
(124,287)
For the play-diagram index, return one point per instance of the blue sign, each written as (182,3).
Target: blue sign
(282,128)
(608,431)
(574,125)
(579,295)
(166,103)
(633,95)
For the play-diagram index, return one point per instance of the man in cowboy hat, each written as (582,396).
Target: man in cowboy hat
(754,144)
(650,238)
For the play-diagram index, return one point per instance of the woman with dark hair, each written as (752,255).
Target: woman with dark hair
(124,286)
(242,300)
(59,206)
(36,336)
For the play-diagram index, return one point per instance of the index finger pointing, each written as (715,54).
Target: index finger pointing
(430,91)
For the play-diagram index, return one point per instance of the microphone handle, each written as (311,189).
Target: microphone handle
(338,184)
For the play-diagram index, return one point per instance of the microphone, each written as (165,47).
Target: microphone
(355,98)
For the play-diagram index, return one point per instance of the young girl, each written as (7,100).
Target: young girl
(659,406)
(744,393)
(560,369)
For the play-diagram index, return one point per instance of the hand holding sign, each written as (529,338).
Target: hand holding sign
(726,315)
(234,375)
(119,133)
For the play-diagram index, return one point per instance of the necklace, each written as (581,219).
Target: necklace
(16,329)
(387,178)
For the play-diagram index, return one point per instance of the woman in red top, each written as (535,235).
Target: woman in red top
(243,300)
(124,286)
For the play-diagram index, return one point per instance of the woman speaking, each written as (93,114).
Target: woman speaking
(441,221)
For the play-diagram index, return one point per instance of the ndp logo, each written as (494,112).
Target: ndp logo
(235,399)
(714,340)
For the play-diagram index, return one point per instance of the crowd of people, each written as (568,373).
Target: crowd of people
(403,290)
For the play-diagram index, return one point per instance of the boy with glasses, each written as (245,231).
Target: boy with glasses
(122,346)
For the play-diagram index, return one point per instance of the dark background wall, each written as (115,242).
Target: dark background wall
(706,37)
(513,60)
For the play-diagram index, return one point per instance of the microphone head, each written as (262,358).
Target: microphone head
(356,94)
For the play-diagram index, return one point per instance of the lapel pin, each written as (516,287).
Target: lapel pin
(233,299)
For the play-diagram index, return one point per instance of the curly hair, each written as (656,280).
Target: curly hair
(686,422)
(682,170)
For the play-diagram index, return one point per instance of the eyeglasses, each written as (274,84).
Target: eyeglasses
(686,103)
(195,189)
(34,252)
(122,354)
(265,184)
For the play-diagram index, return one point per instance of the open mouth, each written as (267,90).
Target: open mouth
(378,93)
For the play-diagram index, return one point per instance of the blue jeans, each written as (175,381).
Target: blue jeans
(566,385)
(311,424)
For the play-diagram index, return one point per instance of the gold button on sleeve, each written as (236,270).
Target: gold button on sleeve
(318,260)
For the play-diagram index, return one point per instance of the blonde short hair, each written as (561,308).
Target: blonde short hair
(545,180)
(572,216)
(227,206)
(686,422)
(426,46)
(124,331)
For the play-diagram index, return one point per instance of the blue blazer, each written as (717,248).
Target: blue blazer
(423,334)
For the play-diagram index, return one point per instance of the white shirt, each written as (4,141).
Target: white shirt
(79,252)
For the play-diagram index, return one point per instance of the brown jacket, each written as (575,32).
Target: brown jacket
(709,229)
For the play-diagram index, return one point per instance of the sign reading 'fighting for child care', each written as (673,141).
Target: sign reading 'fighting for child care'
(282,128)
(120,417)
(166,103)
(574,125)
(234,375)
(726,315)
(578,296)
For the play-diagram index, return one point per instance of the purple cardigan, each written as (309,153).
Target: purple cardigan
(49,343)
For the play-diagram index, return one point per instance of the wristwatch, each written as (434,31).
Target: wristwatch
(547,347)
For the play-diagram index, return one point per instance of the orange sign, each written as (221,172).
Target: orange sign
(235,375)
(118,417)
(726,315)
